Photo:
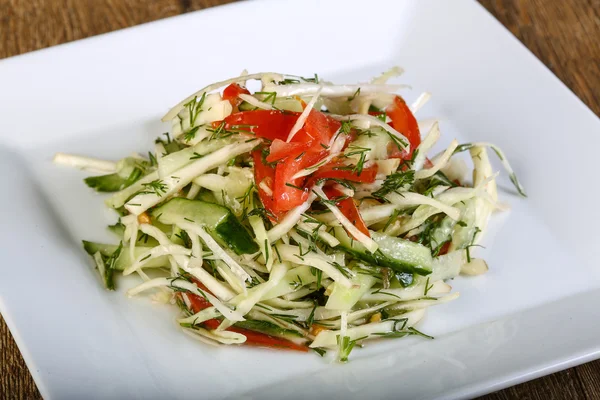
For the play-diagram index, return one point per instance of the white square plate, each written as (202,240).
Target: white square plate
(534,312)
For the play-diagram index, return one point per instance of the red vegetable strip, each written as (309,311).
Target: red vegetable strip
(349,209)
(232,92)
(337,170)
(268,124)
(404,122)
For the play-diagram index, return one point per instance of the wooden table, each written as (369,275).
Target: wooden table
(563,34)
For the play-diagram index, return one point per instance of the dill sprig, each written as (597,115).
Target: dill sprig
(361,152)
(357,93)
(190,134)
(157,187)
(346,127)
(194,108)
(270,97)
(394,183)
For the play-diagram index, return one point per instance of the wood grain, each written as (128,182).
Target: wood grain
(564,35)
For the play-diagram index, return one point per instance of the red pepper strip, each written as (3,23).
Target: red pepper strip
(265,173)
(198,303)
(280,150)
(268,124)
(444,249)
(313,137)
(318,129)
(404,122)
(289,193)
(337,170)
(232,92)
(349,209)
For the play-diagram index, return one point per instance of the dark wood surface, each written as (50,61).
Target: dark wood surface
(564,34)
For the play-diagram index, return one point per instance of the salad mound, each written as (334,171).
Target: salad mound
(305,215)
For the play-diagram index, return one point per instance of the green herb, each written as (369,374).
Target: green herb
(427,287)
(343,270)
(391,219)
(380,291)
(399,143)
(346,127)
(468,248)
(196,156)
(357,93)
(157,187)
(311,316)
(110,267)
(266,250)
(297,284)
(269,97)
(362,153)
(314,79)
(345,347)
(261,212)
(394,183)
(153,161)
(419,333)
(194,108)
(319,274)
(189,135)
(185,238)
(220,132)
(289,81)
(278,255)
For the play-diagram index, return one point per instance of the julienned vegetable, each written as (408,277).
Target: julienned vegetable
(304,215)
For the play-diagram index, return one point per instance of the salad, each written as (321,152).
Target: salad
(305,215)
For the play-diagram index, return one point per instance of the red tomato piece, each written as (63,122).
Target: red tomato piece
(444,249)
(232,92)
(198,303)
(268,124)
(289,193)
(404,122)
(336,170)
(280,150)
(349,209)
(318,129)
(266,173)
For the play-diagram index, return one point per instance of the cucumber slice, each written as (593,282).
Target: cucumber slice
(129,170)
(285,103)
(398,254)
(221,222)
(343,298)
(124,260)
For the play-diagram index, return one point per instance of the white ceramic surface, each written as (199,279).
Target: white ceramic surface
(534,312)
